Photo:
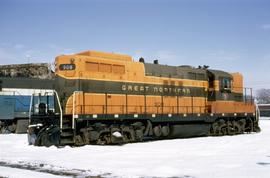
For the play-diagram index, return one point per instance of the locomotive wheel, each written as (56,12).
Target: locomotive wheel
(256,127)
(78,140)
(242,124)
(104,139)
(12,128)
(249,126)
(230,128)
(157,131)
(214,130)
(6,129)
(165,130)
(139,135)
(222,128)
(223,131)
(237,127)
(128,137)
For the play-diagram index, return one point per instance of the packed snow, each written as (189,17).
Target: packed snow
(241,156)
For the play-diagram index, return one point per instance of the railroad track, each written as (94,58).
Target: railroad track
(43,168)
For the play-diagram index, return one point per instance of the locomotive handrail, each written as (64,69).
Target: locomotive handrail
(58,102)
(30,108)
(139,109)
(257,112)
(172,109)
(73,108)
(60,109)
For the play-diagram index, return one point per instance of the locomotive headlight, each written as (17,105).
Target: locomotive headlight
(72,60)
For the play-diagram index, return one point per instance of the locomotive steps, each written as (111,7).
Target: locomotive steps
(67,135)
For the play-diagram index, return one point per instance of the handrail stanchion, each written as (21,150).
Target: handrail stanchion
(30,108)
(60,109)
(73,108)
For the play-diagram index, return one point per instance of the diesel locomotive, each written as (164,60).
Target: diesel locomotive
(106,98)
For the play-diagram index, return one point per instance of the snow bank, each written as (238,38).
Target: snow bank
(241,156)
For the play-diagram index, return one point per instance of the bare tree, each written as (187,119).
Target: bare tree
(263,96)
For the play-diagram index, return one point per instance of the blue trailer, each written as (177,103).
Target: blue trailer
(18,83)
(15,100)
(14,113)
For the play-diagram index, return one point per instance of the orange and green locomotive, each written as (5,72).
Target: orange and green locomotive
(106,98)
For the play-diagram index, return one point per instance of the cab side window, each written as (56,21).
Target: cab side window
(226,84)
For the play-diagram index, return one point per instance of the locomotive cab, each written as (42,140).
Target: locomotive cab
(220,84)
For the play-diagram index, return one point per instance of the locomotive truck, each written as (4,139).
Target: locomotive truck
(107,98)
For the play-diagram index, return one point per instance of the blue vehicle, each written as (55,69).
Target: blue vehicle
(13,112)
(14,109)
(18,83)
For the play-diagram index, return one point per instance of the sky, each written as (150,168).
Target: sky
(230,35)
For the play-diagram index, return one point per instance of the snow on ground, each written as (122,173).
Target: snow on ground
(241,156)
(19,173)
